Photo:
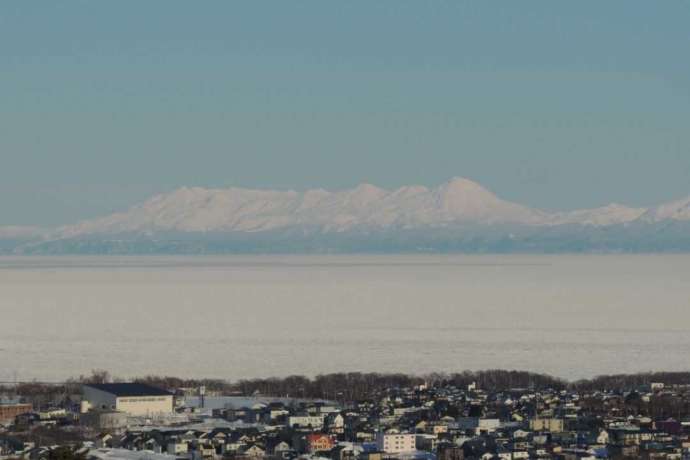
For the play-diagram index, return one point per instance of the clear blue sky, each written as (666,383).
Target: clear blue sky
(555,104)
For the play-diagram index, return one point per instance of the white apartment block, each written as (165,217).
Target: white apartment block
(396,443)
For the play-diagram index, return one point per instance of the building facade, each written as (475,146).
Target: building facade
(131,398)
(553,425)
(307,421)
(396,443)
(9,411)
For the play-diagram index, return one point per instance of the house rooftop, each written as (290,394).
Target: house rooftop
(129,389)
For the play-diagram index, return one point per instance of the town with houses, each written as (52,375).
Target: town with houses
(439,421)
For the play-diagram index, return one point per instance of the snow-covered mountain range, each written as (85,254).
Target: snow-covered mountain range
(366,209)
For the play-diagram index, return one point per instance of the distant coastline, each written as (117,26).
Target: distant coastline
(666,238)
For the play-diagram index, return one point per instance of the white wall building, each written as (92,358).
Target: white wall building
(131,398)
(304,421)
(396,443)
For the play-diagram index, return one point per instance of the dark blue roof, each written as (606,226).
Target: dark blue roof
(129,389)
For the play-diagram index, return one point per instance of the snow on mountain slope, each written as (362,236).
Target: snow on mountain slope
(606,215)
(675,210)
(236,209)
(458,201)
(462,198)
(198,210)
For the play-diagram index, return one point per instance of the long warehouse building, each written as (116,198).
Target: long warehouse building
(131,398)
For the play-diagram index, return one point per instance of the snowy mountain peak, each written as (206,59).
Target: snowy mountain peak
(365,207)
(465,200)
(367,192)
(459,186)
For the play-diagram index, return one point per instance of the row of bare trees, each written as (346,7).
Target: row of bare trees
(353,386)
(631,381)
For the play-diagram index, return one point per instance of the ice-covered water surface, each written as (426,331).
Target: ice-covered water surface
(250,316)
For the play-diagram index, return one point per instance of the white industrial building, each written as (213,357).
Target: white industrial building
(304,421)
(131,398)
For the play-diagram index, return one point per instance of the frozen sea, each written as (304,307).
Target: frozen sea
(257,316)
